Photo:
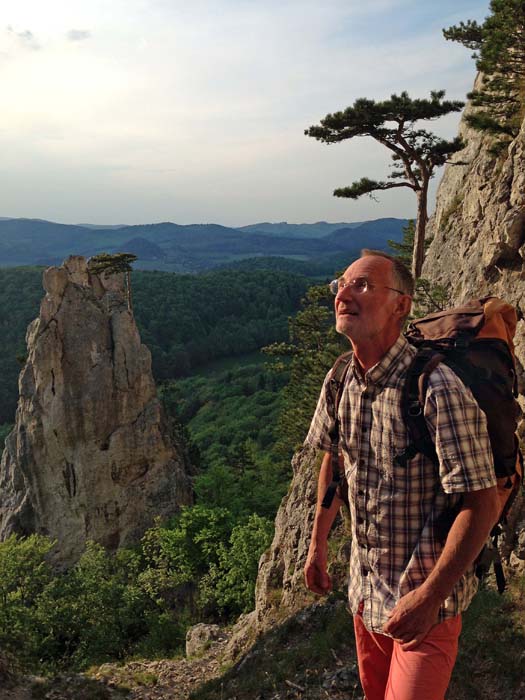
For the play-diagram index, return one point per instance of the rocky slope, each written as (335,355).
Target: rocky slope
(90,456)
(280,590)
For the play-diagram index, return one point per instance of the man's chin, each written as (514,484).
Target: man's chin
(343,325)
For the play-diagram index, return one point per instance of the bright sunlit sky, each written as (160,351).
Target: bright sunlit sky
(139,111)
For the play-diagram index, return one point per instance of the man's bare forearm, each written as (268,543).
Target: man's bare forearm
(465,540)
(315,570)
(324,517)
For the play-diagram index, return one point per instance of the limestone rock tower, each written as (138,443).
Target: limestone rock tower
(91,456)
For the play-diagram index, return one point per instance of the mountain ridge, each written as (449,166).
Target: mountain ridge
(187,247)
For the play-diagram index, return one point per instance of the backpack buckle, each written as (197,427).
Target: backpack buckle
(461,342)
(415,409)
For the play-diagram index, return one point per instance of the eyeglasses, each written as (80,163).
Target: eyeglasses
(359,285)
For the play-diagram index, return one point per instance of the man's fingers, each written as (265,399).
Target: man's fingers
(412,644)
(392,625)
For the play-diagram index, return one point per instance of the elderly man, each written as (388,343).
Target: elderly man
(408,584)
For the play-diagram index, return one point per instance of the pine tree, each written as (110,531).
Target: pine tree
(499,51)
(112,264)
(313,346)
(416,153)
(428,297)
(404,250)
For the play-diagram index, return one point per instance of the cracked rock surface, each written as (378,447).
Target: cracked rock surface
(91,456)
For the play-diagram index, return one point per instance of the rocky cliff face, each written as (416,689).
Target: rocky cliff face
(478,229)
(91,456)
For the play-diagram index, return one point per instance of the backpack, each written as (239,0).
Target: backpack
(476,342)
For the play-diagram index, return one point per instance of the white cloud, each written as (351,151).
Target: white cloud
(78,34)
(24,38)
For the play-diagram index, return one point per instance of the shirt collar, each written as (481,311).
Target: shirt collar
(380,372)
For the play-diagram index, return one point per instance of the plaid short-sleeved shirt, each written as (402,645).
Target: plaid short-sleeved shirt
(397,512)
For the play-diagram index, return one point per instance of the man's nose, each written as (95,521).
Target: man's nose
(345,292)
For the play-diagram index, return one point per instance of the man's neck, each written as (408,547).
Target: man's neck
(369,353)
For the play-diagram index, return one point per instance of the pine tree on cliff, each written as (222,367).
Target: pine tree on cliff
(113,264)
(499,50)
(428,297)
(416,153)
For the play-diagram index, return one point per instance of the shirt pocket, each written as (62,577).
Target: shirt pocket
(389,439)
(389,448)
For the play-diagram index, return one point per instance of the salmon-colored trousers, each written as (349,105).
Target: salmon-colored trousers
(388,673)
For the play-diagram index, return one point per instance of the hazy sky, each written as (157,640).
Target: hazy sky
(136,111)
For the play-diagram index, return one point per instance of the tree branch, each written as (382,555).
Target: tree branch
(366,186)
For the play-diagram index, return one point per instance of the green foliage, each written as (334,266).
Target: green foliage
(428,297)
(313,346)
(206,559)
(403,251)
(113,263)
(468,33)
(190,320)
(230,584)
(96,611)
(179,554)
(101,611)
(417,152)
(5,429)
(231,417)
(499,45)
(20,294)
(109,607)
(24,573)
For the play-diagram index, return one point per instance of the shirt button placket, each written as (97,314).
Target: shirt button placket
(363,456)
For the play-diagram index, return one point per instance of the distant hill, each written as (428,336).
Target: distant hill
(190,248)
(317,230)
(373,232)
(104,226)
(144,249)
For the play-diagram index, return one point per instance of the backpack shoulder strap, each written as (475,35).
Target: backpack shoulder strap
(413,402)
(334,390)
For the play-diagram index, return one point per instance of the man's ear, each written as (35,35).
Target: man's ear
(404,304)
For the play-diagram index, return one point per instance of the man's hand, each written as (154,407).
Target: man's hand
(315,572)
(412,618)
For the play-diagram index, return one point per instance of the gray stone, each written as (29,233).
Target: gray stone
(478,249)
(200,637)
(91,456)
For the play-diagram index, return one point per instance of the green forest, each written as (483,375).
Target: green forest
(185,320)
